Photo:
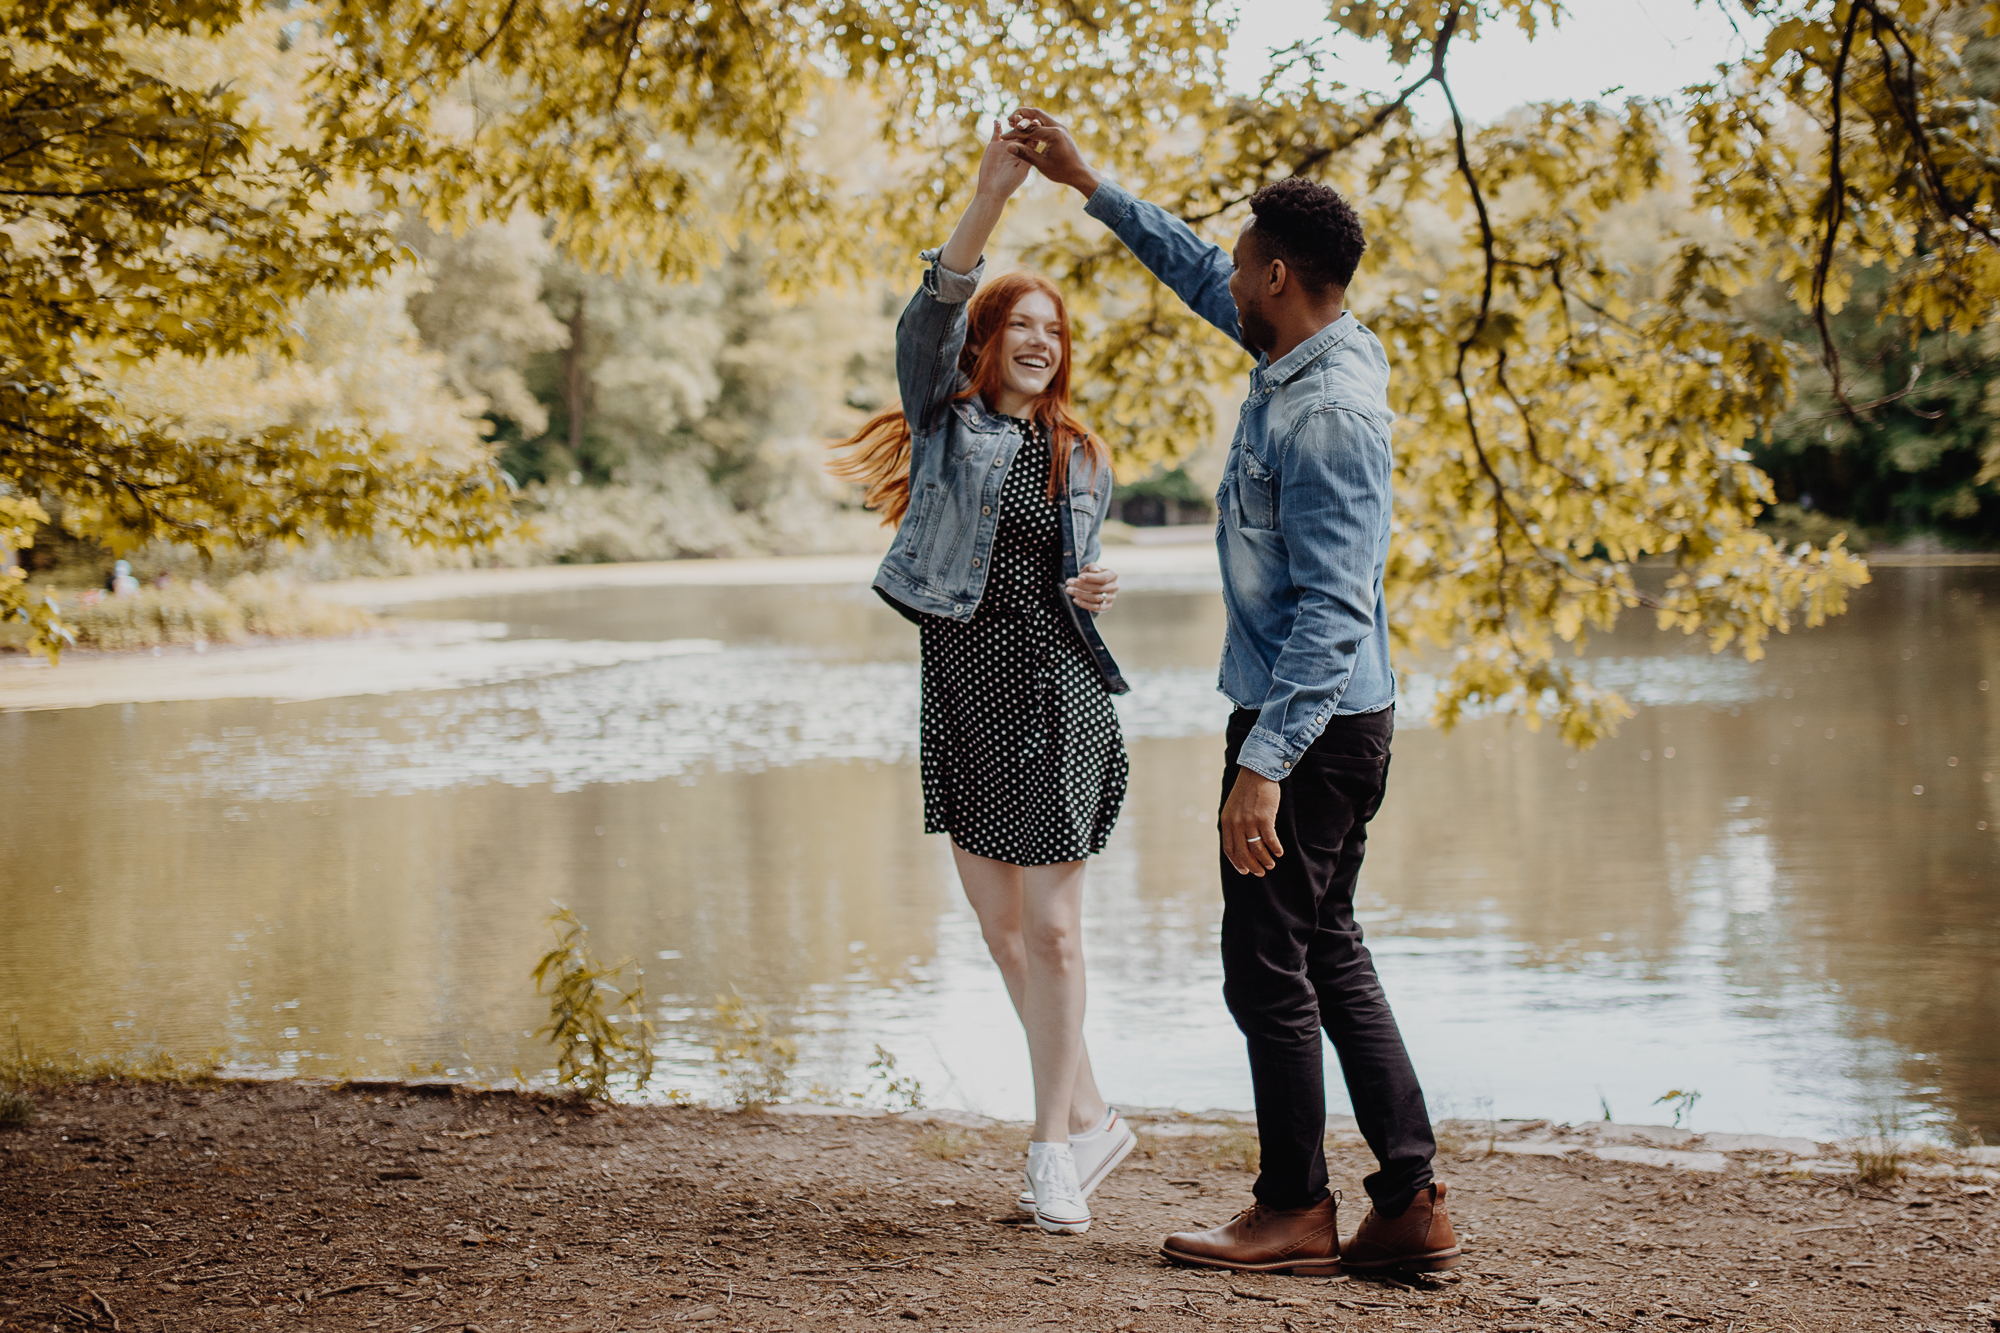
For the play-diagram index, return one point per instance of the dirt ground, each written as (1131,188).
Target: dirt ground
(131,1208)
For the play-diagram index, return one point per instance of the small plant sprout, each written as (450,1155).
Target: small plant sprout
(1605,1103)
(756,1062)
(591,1047)
(1682,1102)
(900,1092)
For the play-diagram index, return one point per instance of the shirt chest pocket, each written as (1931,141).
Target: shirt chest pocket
(1256,487)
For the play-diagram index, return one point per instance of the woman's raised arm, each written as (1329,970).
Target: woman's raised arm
(1002,168)
(932,329)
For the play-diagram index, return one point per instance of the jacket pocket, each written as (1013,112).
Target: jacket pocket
(922,522)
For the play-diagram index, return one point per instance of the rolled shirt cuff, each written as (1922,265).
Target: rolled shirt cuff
(1265,755)
(1109,202)
(948,287)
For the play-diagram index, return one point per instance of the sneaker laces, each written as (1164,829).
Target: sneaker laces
(1054,1168)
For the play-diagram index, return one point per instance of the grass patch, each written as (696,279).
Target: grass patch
(1877,1161)
(1238,1150)
(948,1143)
(24,1071)
(1878,1154)
(17,1109)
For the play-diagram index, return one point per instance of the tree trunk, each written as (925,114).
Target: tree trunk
(576,381)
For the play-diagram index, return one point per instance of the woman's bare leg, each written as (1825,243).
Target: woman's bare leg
(1000,895)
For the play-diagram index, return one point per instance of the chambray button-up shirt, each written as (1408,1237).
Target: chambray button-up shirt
(1303,530)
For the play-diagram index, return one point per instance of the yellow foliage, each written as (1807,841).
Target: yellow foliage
(1569,421)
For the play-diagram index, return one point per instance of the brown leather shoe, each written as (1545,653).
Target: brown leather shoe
(1420,1241)
(1304,1242)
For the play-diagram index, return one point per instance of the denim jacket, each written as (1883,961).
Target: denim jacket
(959,456)
(1304,506)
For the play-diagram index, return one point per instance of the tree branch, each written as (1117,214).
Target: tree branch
(1375,122)
(1836,209)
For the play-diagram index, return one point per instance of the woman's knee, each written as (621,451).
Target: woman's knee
(1054,942)
(1006,948)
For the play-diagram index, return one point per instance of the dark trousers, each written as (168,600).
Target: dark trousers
(1293,963)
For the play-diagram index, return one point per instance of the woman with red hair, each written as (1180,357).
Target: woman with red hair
(998,495)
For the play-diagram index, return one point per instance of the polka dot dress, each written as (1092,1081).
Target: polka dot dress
(1022,757)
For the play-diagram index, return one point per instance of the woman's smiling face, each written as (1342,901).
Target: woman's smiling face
(1031,345)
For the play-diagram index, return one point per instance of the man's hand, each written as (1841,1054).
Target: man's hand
(1051,149)
(1250,824)
(1094,589)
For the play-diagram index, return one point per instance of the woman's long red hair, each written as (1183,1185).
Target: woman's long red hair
(879,453)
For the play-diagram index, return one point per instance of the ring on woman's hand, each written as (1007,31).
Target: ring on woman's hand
(1257,839)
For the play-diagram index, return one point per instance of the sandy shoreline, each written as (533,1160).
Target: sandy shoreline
(409,1208)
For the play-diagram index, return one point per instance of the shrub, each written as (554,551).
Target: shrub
(192,613)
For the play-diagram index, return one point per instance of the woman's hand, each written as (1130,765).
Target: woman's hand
(1095,589)
(1002,167)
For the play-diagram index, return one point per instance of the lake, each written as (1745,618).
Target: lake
(1778,886)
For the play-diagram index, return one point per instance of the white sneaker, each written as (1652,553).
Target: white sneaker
(1096,1153)
(1059,1203)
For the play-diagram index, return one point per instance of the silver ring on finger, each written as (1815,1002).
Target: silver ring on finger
(1253,840)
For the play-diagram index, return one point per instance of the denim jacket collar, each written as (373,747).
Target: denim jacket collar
(1270,374)
(974,412)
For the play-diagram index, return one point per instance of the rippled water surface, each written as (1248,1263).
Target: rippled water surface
(1778,885)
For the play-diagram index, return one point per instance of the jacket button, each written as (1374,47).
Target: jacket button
(997,462)
(1288,763)
(975,562)
(986,509)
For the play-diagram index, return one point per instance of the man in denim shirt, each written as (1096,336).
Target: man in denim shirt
(1303,538)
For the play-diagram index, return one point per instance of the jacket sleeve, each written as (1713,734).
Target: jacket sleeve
(1090,542)
(1197,271)
(929,336)
(1333,512)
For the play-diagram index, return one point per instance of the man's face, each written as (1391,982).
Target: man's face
(1247,281)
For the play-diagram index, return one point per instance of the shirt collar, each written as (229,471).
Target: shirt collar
(1307,352)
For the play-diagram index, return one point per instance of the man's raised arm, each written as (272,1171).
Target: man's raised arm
(1197,271)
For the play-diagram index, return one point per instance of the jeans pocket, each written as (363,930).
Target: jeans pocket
(1331,795)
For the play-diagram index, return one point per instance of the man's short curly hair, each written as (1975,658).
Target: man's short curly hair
(1311,228)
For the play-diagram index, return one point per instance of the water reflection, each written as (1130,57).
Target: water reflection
(1744,893)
